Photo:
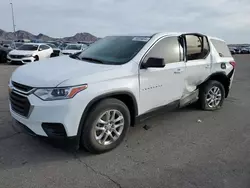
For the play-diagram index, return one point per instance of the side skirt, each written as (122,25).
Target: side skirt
(193,97)
(156,111)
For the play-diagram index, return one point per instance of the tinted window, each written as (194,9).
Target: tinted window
(115,49)
(197,47)
(44,47)
(51,45)
(28,47)
(84,46)
(168,48)
(73,47)
(18,45)
(221,47)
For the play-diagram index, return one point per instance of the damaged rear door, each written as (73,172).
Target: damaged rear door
(198,60)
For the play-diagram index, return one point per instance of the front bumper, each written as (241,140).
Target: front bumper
(53,119)
(71,143)
(20,61)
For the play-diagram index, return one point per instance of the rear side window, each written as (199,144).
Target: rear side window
(44,47)
(197,47)
(221,47)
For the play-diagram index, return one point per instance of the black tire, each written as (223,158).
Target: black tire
(203,94)
(88,139)
(36,58)
(3,57)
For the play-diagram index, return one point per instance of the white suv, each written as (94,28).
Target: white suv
(74,48)
(93,97)
(29,52)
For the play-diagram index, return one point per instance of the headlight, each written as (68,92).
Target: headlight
(49,94)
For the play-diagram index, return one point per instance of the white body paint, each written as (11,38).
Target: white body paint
(151,88)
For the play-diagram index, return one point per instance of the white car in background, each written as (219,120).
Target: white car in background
(29,52)
(73,48)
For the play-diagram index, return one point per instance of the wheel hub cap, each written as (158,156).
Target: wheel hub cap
(109,127)
(213,97)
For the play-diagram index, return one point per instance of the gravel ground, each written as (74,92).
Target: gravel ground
(185,148)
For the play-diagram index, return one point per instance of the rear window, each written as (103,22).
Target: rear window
(221,48)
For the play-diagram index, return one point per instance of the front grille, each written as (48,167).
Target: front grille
(19,104)
(16,62)
(21,87)
(17,56)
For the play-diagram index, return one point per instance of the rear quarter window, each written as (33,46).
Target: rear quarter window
(221,47)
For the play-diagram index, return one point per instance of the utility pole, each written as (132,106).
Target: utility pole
(13,17)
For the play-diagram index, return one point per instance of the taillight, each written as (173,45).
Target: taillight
(233,63)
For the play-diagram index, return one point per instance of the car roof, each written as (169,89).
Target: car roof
(181,33)
(161,34)
(74,44)
(29,43)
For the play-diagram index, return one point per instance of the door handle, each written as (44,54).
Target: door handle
(178,71)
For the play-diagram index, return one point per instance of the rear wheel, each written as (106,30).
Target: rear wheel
(106,126)
(212,95)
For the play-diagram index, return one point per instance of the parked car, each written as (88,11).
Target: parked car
(245,50)
(7,43)
(63,45)
(237,50)
(54,42)
(232,50)
(86,43)
(23,40)
(73,48)
(29,52)
(3,54)
(56,50)
(16,45)
(94,97)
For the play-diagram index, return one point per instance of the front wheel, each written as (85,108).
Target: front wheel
(36,58)
(106,126)
(212,95)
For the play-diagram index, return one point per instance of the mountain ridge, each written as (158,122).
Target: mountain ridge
(21,34)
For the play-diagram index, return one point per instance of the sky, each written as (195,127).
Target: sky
(226,19)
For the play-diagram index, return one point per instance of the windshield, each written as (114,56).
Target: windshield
(28,47)
(115,49)
(18,45)
(73,47)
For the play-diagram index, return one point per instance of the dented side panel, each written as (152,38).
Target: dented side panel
(196,73)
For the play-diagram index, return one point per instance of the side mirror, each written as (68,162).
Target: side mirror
(154,63)
(40,49)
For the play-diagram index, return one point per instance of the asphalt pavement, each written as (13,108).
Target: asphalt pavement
(185,148)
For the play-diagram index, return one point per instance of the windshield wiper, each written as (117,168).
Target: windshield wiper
(92,59)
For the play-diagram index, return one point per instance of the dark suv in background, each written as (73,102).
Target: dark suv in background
(3,54)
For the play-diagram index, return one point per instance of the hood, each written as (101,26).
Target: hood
(52,72)
(71,51)
(21,52)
